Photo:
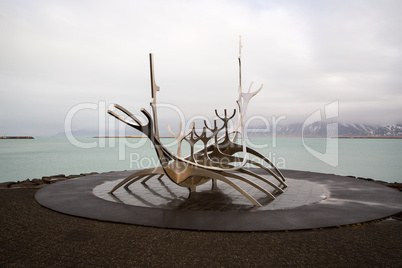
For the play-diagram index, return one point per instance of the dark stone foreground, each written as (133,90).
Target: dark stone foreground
(33,236)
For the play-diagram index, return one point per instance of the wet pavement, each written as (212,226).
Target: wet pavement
(311,200)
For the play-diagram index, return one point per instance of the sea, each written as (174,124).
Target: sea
(378,159)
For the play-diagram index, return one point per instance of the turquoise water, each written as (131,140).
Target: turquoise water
(379,159)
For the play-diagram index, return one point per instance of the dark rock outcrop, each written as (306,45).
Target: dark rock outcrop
(39,183)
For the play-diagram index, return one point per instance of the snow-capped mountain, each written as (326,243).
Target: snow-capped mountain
(320,129)
(391,130)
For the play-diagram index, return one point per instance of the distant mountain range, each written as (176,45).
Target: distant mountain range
(320,129)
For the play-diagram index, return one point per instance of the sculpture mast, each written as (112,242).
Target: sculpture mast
(154,89)
(239,121)
(240,46)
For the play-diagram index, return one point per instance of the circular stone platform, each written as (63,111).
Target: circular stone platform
(312,200)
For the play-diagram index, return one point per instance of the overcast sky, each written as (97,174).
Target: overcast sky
(55,55)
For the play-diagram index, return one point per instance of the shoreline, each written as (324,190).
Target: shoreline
(323,137)
(16,138)
(369,137)
(39,183)
(129,136)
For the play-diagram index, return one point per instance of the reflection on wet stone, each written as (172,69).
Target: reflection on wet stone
(164,194)
(213,200)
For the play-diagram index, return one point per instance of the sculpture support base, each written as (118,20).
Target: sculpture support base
(325,201)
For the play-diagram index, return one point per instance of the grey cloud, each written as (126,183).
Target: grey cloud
(307,54)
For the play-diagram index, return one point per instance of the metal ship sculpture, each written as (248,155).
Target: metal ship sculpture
(215,161)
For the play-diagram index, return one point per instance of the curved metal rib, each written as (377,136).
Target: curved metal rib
(214,175)
(226,174)
(138,174)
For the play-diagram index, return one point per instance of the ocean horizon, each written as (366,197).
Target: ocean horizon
(378,159)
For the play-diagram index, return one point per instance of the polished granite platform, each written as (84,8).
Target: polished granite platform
(311,200)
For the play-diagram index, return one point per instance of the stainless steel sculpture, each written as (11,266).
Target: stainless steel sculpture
(214,160)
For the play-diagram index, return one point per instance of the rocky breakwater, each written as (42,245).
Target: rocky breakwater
(39,183)
(395,185)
